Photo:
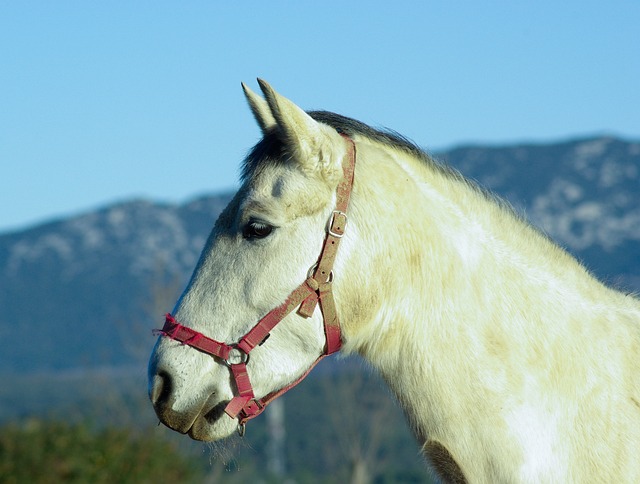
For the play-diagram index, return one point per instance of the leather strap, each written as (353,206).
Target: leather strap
(174,330)
(261,330)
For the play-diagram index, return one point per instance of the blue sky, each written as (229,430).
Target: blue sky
(108,101)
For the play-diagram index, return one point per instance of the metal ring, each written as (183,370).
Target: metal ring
(241,358)
(313,268)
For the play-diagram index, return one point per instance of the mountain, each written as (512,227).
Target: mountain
(584,193)
(74,292)
(84,292)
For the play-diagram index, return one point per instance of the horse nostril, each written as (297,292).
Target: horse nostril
(162,392)
(160,389)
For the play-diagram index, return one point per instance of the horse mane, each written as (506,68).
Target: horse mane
(270,150)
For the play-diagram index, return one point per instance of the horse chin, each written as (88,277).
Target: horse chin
(213,425)
(207,422)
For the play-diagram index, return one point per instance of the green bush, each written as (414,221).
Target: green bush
(42,451)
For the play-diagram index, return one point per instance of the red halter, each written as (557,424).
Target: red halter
(315,290)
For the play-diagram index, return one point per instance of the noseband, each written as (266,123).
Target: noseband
(315,290)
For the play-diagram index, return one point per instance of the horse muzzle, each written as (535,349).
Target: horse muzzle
(201,417)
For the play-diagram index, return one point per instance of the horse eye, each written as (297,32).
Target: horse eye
(256,230)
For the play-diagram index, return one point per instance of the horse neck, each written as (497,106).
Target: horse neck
(430,264)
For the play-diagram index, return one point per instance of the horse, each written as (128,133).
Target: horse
(511,361)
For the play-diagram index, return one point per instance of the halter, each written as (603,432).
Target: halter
(315,290)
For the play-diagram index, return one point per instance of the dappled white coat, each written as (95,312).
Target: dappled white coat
(512,362)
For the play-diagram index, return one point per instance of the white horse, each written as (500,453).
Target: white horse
(512,362)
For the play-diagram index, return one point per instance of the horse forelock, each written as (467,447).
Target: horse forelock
(268,151)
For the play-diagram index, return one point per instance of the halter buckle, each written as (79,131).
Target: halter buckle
(337,224)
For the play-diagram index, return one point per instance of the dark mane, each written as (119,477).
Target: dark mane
(270,149)
(352,127)
(391,138)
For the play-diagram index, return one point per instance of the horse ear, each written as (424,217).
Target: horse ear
(260,109)
(312,144)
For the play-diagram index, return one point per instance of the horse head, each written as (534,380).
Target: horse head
(262,247)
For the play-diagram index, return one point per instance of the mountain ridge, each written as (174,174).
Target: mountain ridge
(76,291)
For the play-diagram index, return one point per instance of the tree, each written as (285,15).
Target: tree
(39,451)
